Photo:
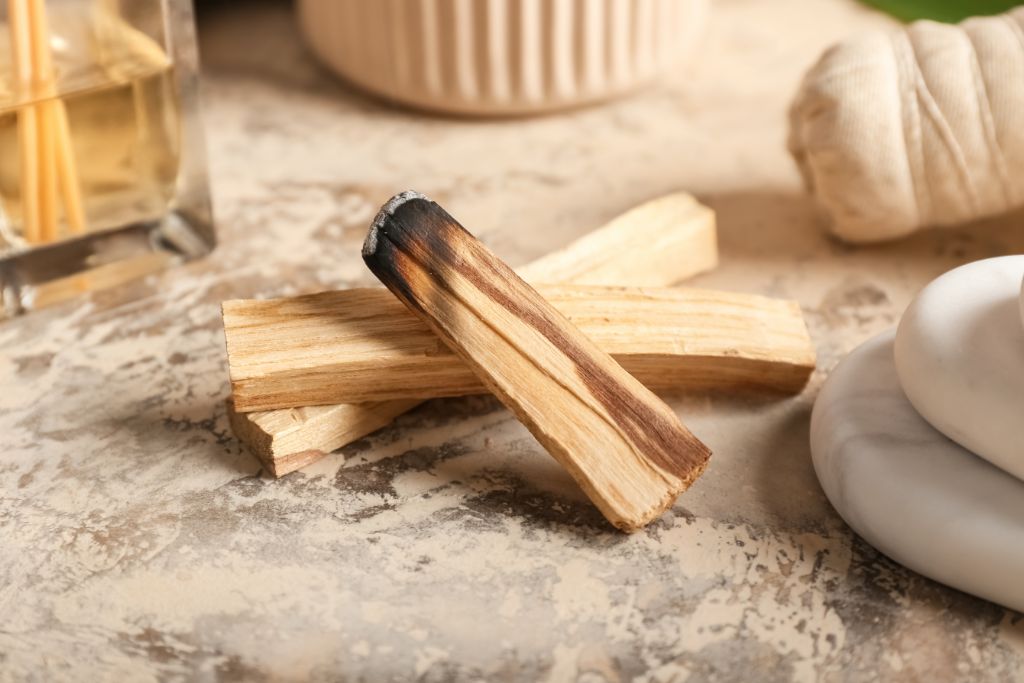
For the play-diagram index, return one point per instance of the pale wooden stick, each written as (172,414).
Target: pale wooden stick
(285,440)
(67,172)
(47,172)
(28,118)
(28,138)
(362,345)
(625,448)
(40,38)
(42,68)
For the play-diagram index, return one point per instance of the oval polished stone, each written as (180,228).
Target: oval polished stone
(921,499)
(1022,301)
(960,358)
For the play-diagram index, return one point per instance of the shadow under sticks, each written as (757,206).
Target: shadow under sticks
(201,435)
(485,481)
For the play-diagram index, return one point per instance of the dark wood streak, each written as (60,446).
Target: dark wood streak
(393,269)
(430,234)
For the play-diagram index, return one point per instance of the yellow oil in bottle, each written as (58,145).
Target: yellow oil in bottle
(123,127)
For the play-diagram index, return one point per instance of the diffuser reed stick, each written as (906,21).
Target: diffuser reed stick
(46,157)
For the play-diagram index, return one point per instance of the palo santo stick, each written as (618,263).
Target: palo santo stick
(363,345)
(285,440)
(625,447)
(678,235)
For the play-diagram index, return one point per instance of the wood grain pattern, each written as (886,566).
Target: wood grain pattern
(363,345)
(284,439)
(627,449)
(287,440)
(655,244)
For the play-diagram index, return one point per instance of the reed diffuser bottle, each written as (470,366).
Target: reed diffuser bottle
(102,163)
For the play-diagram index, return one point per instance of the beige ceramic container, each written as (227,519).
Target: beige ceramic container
(500,57)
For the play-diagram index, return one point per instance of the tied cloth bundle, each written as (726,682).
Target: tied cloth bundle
(894,132)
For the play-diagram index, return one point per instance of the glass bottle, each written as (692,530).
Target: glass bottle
(102,160)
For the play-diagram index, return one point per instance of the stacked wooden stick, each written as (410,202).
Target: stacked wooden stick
(312,373)
(46,157)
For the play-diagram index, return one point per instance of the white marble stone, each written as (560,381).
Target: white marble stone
(909,491)
(960,358)
(1021,301)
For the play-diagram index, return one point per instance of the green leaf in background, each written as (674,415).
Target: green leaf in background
(942,10)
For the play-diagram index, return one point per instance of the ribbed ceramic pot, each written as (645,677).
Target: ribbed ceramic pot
(499,57)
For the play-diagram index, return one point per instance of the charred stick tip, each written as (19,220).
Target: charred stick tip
(385,213)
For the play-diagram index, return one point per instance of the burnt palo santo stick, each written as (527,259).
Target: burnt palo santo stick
(627,450)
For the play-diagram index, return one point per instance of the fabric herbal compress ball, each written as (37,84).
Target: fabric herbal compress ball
(922,127)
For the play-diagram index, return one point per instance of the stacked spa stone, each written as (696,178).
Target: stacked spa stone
(918,435)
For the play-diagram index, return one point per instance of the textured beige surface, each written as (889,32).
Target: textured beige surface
(138,541)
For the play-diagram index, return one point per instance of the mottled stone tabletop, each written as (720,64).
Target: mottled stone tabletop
(139,541)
